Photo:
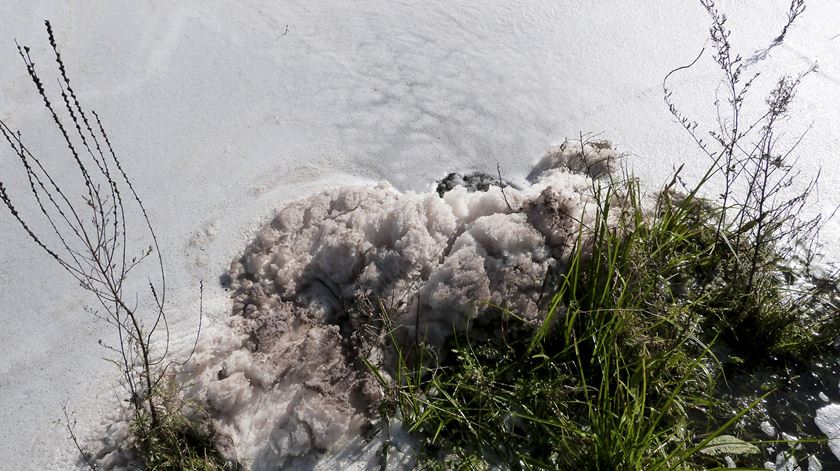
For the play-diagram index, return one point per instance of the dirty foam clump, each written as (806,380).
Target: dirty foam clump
(285,380)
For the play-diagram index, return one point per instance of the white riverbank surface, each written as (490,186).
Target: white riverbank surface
(222,112)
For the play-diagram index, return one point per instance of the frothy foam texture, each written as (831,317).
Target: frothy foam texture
(284,380)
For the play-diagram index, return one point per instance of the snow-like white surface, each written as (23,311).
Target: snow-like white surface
(222,114)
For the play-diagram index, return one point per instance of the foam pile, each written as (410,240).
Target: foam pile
(285,381)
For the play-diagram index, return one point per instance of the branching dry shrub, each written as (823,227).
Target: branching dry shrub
(91,238)
(759,220)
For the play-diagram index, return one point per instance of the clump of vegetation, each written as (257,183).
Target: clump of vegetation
(183,438)
(621,374)
(92,239)
(610,378)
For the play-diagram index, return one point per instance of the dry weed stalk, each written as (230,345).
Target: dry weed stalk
(89,239)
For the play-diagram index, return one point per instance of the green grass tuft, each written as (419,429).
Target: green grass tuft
(620,375)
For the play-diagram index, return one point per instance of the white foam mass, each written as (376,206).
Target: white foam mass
(285,381)
(828,421)
(768,429)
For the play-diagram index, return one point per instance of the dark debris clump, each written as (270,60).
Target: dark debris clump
(475,181)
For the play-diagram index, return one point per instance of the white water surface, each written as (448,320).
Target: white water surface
(223,111)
